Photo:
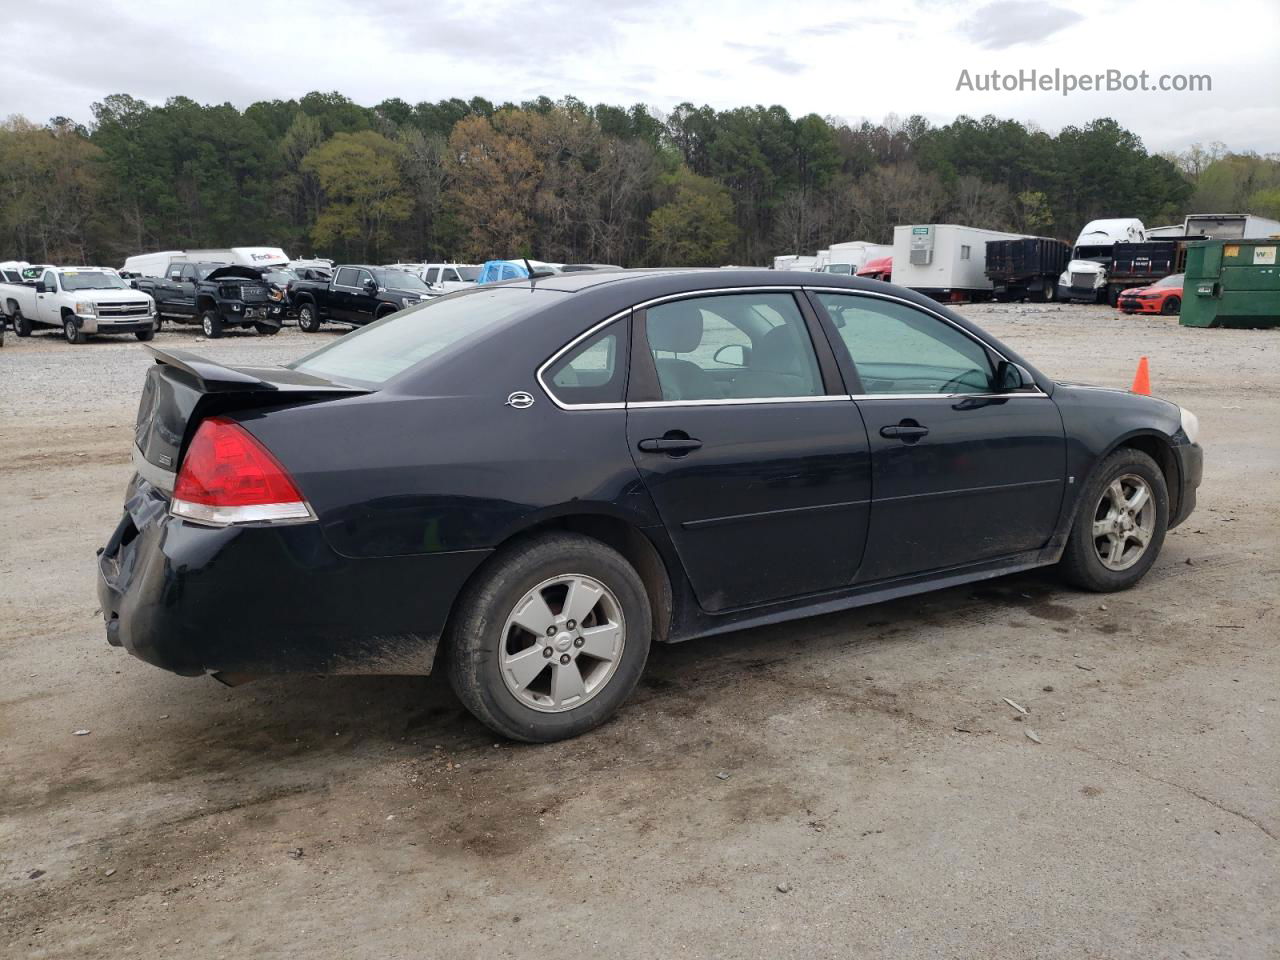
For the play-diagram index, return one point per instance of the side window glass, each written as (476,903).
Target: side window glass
(346,277)
(50,281)
(362,277)
(594,371)
(449,275)
(733,347)
(898,349)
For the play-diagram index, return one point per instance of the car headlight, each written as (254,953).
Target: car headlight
(87,308)
(1190,424)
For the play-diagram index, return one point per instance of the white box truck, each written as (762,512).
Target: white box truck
(945,261)
(1230,226)
(851,256)
(157,264)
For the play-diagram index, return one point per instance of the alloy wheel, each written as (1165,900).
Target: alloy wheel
(562,643)
(1123,522)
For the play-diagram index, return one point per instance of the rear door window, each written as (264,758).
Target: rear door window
(346,277)
(732,347)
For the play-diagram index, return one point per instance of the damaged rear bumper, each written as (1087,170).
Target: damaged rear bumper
(268,599)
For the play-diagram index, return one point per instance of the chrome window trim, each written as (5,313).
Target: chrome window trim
(735,401)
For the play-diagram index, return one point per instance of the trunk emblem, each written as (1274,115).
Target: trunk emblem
(520,400)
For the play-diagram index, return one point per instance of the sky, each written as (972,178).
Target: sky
(847,59)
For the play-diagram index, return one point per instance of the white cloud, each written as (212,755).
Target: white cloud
(852,59)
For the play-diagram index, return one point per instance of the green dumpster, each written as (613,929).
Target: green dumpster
(1231,283)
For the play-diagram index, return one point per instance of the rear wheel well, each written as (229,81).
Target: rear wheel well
(615,533)
(1159,451)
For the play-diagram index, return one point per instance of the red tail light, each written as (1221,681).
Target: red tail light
(229,477)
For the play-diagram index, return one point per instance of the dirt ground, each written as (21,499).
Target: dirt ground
(852,785)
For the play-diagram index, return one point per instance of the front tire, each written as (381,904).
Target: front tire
(1172,307)
(266,329)
(308,318)
(72,333)
(549,641)
(211,324)
(145,335)
(1120,525)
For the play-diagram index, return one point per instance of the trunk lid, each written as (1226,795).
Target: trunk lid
(182,389)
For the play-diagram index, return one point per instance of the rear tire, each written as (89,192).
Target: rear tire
(71,332)
(489,655)
(308,318)
(21,325)
(1089,561)
(1047,294)
(1172,307)
(211,323)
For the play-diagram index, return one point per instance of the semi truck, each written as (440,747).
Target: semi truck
(945,261)
(1026,269)
(1085,277)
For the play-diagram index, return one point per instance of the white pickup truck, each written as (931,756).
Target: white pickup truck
(81,301)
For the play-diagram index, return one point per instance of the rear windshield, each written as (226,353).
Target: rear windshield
(374,354)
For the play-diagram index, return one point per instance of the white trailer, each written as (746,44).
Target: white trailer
(794,261)
(945,261)
(852,256)
(1230,226)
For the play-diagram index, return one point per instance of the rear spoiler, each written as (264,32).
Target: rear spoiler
(213,377)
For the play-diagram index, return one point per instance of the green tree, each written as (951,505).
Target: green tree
(363,191)
(695,227)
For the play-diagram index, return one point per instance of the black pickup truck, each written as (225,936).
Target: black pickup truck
(355,295)
(217,296)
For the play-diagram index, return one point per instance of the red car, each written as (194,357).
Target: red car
(1163,296)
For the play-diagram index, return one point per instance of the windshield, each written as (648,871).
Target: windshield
(374,354)
(92,280)
(1172,281)
(399,280)
(470,274)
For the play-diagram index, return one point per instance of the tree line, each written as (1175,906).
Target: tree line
(565,181)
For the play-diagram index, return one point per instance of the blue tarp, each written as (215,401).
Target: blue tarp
(495,270)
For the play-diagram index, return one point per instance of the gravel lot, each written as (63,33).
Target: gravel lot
(852,785)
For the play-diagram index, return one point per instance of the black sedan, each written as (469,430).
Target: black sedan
(533,481)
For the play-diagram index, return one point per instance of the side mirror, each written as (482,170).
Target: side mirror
(134,283)
(731,355)
(40,287)
(371,286)
(1011,377)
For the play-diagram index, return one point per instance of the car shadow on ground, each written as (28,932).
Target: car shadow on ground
(273,719)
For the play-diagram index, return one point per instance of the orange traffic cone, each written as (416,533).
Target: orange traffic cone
(1142,378)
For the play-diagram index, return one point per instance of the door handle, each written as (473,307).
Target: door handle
(672,445)
(908,431)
